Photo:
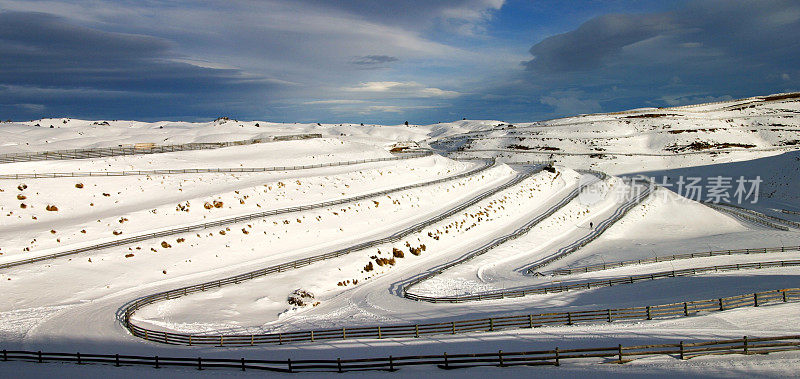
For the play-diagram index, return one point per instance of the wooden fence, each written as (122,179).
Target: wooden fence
(714,253)
(534,290)
(132,307)
(740,209)
(136,150)
(522,230)
(747,216)
(233,220)
(207,170)
(688,308)
(553,357)
(600,229)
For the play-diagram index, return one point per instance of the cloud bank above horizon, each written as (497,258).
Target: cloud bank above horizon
(386,62)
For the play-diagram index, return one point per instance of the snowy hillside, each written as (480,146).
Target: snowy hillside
(307,248)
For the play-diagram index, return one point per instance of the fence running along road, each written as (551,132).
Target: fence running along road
(505,238)
(650,312)
(754,216)
(130,308)
(232,220)
(137,150)
(668,258)
(579,286)
(208,170)
(554,357)
(596,232)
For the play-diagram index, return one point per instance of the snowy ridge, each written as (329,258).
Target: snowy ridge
(328,239)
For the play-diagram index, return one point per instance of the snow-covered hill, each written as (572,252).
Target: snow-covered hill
(392,221)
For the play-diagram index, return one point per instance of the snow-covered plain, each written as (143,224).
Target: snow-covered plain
(73,303)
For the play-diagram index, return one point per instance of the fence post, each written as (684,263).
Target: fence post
(454,327)
(755,299)
(116,360)
(339,364)
(243,365)
(289,363)
(557,358)
(784,296)
(40,356)
(619,350)
(685,309)
(681,350)
(391,364)
(648,313)
(569,318)
(721,307)
(200,363)
(156,359)
(416,331)
(500,357)
(344,333)
(491,324)
(280,338)
(746,350)
(609,315)
(5,355)
(530,321)
(78,355)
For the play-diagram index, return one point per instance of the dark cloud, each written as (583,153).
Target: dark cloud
(709,49)
(603,37)
(48,59)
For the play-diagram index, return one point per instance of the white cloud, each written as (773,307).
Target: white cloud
(401,89)
(394,108)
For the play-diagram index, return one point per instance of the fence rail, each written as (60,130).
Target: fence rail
(553,357)
(503,239)
(137,150)
(688,308)
(714,253)
(132,307)
(232,220)
(534,290)
(601,228)
(207,170)
(755,214)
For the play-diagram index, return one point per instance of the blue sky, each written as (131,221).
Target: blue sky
(386,61)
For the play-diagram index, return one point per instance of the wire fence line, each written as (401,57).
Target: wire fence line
(598,153)
(553,357)
(618,214)
(746,216)
(208,170)
(538,290)
(129,309)
(741,209)
(522,230)
(138,149)
(668,258)
(232,220)
(650,312)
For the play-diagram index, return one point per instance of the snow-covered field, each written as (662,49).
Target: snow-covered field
(77,302)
